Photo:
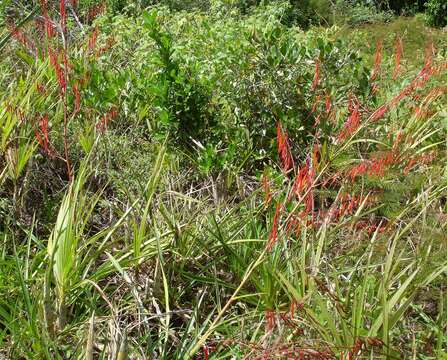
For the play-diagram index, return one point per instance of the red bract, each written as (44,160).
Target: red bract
(347,205)
(63,14)
(105,119)
(94,11)
(301,180)
(309,202)
(21,37)
(352,124)
(374,167)
(42,134)
(419,81)
(377,61)
(295,305)
(378,114)
(396,143)
(358,170)
(421,159)
(283,148)
(49,28)
(266,186)
(303,188)
(92,39)
(206,353)
(358,345)
(109,43)
(60,73)
(270,320)
(41,89)
(397,57)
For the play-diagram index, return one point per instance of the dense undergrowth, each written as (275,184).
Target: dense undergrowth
(220,183)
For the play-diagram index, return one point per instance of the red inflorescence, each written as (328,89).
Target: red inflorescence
(270,320)
(377,61)
(63,14)
(77,99)
(397,58)
(284,148)
(42,134)
(352,124)
(266,186)
(105,119)
(206,353)
(92,39)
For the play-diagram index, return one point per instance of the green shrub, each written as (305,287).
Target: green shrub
(436,12)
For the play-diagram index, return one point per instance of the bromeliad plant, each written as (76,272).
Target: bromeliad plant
(329,200)
(66,238)
(336,251)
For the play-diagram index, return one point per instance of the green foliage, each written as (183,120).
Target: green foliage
(436,13)
(360,13)
(178,97)
(183,229)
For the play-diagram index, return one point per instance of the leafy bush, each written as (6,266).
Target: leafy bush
(220,182)
(436,12)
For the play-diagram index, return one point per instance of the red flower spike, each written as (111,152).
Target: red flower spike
(283,148)
(270,320)
(49,28)
(377,61)
(60,73)
(378,114)
(94,11)
(21,37)
(397,58)
(92,39)
(41,89)
(63,14)
(266,186)
(206,353)
(42,134)
(103,123)
(352,124)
